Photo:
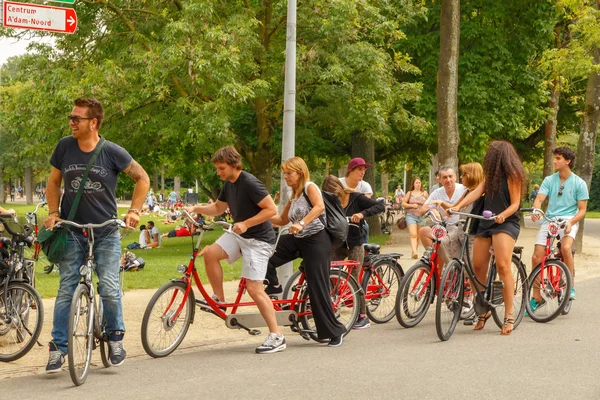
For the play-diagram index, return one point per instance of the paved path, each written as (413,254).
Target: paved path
(552,361)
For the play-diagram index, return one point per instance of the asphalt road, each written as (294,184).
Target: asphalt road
(556,360)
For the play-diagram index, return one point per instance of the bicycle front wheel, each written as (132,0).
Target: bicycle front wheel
(21,319)
(167,319)
(417,290)
(81,337)
(345,300)
(381,285)
(519,295)
(102,336)
(553,285)
(449,300)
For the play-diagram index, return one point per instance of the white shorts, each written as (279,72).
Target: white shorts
(255,253)
(543,233)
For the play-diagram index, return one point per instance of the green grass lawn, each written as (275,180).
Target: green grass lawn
(161,263)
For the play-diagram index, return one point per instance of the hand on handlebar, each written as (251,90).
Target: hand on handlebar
(239,228)
(51,221)
(535,216)
(132,220)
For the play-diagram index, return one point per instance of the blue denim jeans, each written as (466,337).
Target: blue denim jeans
(107,252)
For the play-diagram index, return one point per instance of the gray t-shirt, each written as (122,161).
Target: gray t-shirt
(98,202)
(299,208)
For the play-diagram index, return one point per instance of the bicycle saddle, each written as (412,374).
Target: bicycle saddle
(372,248)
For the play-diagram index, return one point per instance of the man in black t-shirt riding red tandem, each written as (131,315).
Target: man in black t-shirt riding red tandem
(251,207)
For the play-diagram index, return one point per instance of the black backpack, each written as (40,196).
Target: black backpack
(335,222)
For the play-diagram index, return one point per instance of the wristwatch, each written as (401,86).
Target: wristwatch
(301,223)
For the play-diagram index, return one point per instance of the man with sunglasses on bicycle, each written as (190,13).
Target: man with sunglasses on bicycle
(251,207)
(567,197)
(98,204)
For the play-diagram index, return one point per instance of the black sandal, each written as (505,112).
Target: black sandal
(484,318)
(505,326)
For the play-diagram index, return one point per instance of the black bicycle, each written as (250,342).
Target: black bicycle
(449,303)
(21,307)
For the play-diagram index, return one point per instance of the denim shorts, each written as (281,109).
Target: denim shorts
(414,220)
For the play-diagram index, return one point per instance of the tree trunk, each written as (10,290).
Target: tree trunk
(447,85)
(584,162)
(262,161)
(550,130)
(162,179)
(28,187)
(2,186)
(155,181)
(409,178)
(385,183)
(177,186)
(365,148)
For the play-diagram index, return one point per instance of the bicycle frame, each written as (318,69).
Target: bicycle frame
(190,274)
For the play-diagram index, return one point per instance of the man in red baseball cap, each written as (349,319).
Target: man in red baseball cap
(354,176)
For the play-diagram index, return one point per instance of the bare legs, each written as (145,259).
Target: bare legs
(413,230)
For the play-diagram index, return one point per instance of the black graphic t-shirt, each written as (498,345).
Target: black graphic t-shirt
(243,197)
(98,202)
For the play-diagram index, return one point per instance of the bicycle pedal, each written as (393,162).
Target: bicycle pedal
(468,322)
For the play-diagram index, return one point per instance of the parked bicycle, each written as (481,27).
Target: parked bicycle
(451,289)
(380,276)
(21,308)
(172,308)
(86,318)
(550,281)
(35,253)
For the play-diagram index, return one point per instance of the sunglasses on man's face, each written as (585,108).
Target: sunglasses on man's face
(76,119)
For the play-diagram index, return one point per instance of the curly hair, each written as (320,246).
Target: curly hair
(501,163)
(567,153)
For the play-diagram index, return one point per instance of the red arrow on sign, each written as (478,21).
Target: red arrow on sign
(43,18)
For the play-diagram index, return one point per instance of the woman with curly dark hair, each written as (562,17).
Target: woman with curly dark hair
(502,187)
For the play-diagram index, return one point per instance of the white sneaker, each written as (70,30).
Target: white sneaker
(272,344)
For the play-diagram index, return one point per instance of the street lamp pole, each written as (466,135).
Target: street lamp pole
(289,116)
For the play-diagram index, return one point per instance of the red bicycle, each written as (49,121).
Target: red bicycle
(550,282)
(172,308)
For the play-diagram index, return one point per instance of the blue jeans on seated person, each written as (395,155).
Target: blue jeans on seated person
(107,252)
(367,228)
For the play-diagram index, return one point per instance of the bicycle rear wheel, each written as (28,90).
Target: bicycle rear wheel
(417,290)
(345,299)
(81,337)
(21,319)
(449,300)
(167,319)
(382,285)
(554,290)
(288,291)
(519,296)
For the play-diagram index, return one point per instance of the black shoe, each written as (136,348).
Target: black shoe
(116,353)
(273,290)
(203,304)
(55,360)
(336,341)
(362,323)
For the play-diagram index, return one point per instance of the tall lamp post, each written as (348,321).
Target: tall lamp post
(289,117)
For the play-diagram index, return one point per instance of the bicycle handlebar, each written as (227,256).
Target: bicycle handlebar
(115,221)
(21,236)
(482,217)
(558,220)
(42,204)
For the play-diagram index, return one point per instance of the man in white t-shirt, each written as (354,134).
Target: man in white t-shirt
(154,235)
(354,177)
(450,192)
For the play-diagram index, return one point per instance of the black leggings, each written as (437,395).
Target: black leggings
(315,250)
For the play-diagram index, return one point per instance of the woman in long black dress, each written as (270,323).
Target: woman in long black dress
(503,185)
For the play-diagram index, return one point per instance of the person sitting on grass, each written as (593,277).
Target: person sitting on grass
(154,235)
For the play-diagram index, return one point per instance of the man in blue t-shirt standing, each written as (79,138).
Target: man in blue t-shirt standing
(567,198)
(98,204)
